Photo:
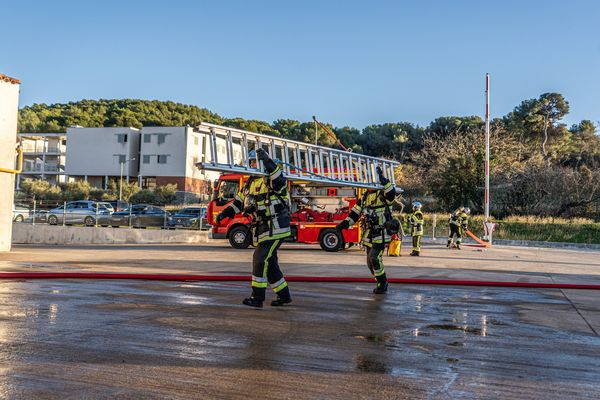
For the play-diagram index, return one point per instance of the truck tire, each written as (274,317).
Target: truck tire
(239,237)
(331,240)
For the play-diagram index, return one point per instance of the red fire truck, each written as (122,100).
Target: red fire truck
(316,210)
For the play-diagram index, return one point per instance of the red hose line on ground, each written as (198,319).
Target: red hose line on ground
(322,279)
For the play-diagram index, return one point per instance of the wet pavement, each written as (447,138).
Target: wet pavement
(181,340)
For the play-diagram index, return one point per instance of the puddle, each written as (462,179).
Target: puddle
(466,329)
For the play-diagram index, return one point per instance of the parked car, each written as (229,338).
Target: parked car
(189,217)
(20,213)
(79,212)
(140,216)
(40,216)
(119,205)
(108,205)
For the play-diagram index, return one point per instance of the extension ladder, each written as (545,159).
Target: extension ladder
(229,149)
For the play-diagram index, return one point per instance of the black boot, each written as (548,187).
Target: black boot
(381,288)
(448,244)
(414,253)
(457,246)
(281,300)
(252,302)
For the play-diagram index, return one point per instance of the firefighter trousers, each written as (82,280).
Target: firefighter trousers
(416,242)
(455,231)
(266,271)
(375,262)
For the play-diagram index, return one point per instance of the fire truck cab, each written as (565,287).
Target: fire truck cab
(315,208)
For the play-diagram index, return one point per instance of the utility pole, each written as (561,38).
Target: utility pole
(487,147)
(121,178)
(121,183)
(487,225)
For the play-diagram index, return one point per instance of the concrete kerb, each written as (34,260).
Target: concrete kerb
(516,243)
(48,234)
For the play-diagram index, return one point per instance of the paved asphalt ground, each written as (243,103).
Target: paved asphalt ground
(62,339)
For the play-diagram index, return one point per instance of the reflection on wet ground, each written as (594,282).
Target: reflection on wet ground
(104,339)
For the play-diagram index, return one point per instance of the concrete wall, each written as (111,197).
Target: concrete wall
(48,234)
(9,106)
(95,151)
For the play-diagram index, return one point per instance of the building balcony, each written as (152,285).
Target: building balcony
(48,168)
(41,148)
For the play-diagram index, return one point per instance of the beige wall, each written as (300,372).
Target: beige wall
(9,105)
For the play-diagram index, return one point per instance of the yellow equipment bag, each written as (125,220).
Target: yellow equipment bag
(394,247)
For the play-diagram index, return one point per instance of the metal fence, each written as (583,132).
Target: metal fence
(101,214)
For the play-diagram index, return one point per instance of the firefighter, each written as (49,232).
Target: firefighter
(458,223)
(416,221)
(266,200)
(378,226)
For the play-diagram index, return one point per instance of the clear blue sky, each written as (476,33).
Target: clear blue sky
(348,62)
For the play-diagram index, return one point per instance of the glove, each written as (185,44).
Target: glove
(219,218)
(262,155)
(342,225)
(380,173)
(249,210)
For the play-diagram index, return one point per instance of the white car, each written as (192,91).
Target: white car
(20,213)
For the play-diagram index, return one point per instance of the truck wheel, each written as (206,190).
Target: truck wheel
(331,240)
(239,237)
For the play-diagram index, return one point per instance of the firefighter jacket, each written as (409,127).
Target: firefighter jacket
(375,209)
(459,219)
(266,199)
(416,220)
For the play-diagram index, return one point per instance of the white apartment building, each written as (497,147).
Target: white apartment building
(44,156)
(153,156)
(169,155)
(100,154)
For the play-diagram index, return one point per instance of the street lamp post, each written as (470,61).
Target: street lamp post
(121,178)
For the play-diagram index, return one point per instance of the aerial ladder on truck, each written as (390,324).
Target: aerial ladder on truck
(227,152)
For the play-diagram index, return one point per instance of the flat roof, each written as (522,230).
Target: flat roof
(40,134)
(9,79)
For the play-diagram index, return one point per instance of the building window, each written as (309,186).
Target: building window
(147,138)
(161,138)
(122,158)
(146,159)
(122,138)
(162,158)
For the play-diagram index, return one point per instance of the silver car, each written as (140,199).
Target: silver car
(20,213)
(84,212)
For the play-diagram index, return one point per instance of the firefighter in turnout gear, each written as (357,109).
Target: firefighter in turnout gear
(416,219)
(266,200)
(458,223)
(378,226)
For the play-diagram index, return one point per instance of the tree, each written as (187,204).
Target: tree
(128,190)
(535,119)
(40,190)
(584,146)
(391,140)
(166,194)
(78,190)
(98,113)
(144,196)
